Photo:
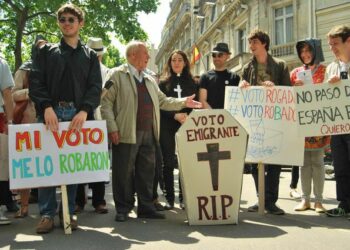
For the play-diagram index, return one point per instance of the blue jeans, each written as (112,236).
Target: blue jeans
(47,196)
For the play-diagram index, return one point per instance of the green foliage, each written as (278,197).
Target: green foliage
(38,17)
(112,57)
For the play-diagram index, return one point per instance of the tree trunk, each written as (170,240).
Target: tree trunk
(21,22)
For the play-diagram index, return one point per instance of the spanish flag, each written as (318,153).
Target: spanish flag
(195,55)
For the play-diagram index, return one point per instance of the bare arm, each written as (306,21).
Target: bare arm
(8,103)
(203,94)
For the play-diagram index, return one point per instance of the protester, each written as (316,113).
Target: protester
(131,108)
(339,43)
(6,117)
(24,110)
(177,82)
(65,85)
(98,188)
(213,83)
(311,55)
(265,70)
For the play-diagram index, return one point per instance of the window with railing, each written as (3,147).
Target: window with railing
(283,24)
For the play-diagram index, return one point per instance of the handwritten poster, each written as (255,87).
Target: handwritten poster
(211,150)
(269,116)
(323,109)
(39,157)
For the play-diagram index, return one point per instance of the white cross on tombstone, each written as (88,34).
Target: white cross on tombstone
(178,90)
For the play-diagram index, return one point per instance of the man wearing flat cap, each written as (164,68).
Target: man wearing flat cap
(213,83)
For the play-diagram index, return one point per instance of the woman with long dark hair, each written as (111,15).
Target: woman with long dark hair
(177,81)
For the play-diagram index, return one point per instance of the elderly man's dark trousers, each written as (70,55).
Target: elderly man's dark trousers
(133,167)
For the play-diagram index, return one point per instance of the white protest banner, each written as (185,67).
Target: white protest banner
(39,157)
(211,150)
(268,114)
(323,109)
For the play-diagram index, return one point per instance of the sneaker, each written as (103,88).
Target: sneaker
(294,194)
(336,212)
(254,208)
(45,225)
(273,209)
(3,219)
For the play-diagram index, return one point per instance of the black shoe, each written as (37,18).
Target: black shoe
(12,207)
(154,215)
(254,208)
(121,217)
(273,209)
(169,205)
(158,206)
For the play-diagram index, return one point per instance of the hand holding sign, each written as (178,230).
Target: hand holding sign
(78,120)
(51,120)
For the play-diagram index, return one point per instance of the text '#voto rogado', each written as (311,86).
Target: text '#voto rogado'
(268,95)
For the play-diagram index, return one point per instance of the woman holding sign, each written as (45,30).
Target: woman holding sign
(312,72)
(177,82)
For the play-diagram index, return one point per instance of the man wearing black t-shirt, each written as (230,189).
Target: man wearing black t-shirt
(213,83)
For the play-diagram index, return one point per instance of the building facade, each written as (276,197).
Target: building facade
(204,23)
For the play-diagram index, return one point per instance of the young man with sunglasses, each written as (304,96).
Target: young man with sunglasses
(265,70)
(65,86)
(213,83)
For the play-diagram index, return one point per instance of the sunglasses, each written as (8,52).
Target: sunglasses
(214,55)
(71,20)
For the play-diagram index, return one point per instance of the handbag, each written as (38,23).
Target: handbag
(21,106)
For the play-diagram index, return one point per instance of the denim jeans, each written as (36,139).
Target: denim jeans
(47,196)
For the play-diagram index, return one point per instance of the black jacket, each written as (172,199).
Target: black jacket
(47,72)
(188,87)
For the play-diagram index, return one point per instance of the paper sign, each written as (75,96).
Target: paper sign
(39,157)
(269,116)
(305,76)
(323,109)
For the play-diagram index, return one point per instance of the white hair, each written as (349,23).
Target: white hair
(132,47)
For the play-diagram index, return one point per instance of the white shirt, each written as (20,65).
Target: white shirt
(136,73)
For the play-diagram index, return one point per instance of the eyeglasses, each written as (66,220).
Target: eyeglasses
(214,55)
(71,20)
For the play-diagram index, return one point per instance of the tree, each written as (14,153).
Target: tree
(112,57)
(24,19)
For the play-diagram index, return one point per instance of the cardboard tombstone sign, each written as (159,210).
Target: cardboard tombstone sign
(211,148)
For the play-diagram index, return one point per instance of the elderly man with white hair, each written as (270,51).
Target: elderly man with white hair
(131,108)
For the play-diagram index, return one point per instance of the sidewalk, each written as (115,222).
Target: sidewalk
(295,230)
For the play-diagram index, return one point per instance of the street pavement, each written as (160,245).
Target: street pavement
(295,230)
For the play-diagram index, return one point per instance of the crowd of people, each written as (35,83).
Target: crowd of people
(68,82)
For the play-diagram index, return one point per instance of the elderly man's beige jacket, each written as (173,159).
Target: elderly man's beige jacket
(119,105)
